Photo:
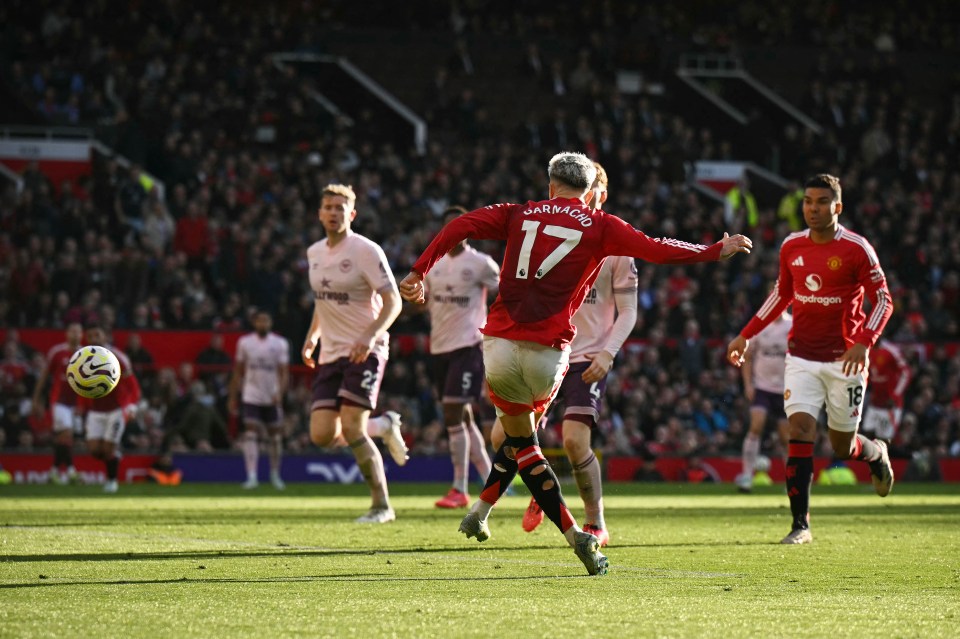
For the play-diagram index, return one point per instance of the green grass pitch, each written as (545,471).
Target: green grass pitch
(686,561)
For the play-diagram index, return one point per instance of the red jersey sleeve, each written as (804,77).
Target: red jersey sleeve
(779,299)
(874,284)
(620,238)
(488,223)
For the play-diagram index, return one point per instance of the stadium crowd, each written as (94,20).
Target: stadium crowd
(242,150)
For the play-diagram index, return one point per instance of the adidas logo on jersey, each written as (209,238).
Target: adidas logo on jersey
(797,262)
(855,413)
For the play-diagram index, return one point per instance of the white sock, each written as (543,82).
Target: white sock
(751,448)
(479,456)
(570,534)
(459,455)
(251,453)
(481,509)
(370,463)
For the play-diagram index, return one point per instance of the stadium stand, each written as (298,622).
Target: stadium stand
(242,143)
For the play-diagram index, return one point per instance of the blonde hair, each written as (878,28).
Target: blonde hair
(343,190)
(573,169)
(602,180)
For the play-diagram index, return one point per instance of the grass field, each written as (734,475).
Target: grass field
(686,561)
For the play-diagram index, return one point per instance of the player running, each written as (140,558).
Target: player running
(825,273)
(63,404)
(356,301)
(456,291)
(553,255)
(263,363)
(107,416)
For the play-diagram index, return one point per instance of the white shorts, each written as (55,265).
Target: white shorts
(64,419)
(106,426)
(882,422)
(522,376)
(809,385)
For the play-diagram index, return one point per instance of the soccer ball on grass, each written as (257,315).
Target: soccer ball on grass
(93,372)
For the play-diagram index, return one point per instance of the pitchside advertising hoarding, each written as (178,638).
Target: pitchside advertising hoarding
(342,469)
(59,160)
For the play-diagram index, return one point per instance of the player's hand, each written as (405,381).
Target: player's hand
(737,349)
(854,360)
(411,288)
(306,354)
(734,244)
(360,351)
(600,364)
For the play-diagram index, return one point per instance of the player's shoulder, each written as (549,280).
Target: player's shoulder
(58,349)
(279,339)
(124,360)
(857,243)
(317,247)
(796,239)
(362,244)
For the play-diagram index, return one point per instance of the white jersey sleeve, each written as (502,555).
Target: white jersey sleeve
(457,289)
(345,280)
(596,316)
(262,359)
(769,355)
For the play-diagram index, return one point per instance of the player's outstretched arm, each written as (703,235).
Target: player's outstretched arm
(737,349)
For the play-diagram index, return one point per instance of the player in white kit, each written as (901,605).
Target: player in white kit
(763,371)
(603,322)
(356,301)
(457,290)
(263,363)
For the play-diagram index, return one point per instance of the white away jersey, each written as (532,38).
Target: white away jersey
(595,318)
(263,357)
(345,280)
(769,354)
(457,298)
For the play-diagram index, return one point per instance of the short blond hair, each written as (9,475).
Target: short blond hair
(602,181)
(343,190)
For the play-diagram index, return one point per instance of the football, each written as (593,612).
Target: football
(93,372)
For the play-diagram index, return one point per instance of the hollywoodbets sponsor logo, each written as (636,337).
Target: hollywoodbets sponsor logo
(342,299)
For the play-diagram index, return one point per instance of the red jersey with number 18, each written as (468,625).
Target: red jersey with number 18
(553,255)
(826,284)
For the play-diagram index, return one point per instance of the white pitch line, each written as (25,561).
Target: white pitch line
(280,549)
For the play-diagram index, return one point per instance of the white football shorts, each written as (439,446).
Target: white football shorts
(522,375)
(882,422)
(64,418)
(809,385)
(108,426)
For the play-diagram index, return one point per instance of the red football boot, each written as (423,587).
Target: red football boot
(533,516)
(600,533)
(453,499)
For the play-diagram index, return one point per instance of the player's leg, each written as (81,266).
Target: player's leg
(479,456)
(804,396)
(586,472)
(583,404)
(844,411)
(459,442)
(250,443)
(358,394)
(62,470)
(110,446)
(751,447)
(274,423)
(325,428)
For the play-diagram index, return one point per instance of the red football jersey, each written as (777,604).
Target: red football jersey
(889,376)
(826,284)
(553,255)
(57,359)
(127,391)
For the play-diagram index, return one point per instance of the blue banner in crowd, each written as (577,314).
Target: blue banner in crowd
(331,469)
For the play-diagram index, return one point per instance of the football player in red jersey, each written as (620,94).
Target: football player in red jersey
(825,272)
(552,257)
(63,403)
(890,375)
(107,416)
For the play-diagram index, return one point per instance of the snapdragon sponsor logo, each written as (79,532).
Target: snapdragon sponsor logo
(555,209)
(818,299)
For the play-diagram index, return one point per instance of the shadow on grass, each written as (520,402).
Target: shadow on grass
(375,577)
